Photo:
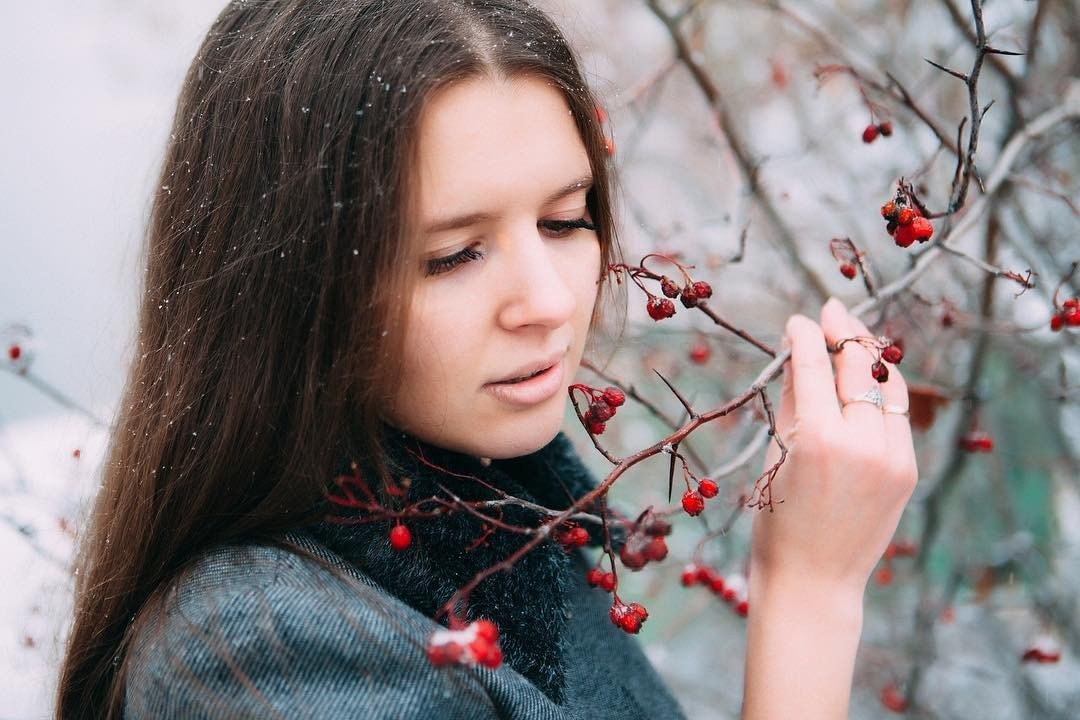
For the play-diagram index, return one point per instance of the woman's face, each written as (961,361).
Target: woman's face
(505,156)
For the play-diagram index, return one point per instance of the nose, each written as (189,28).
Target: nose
(533,282)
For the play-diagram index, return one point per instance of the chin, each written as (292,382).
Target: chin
(522,437)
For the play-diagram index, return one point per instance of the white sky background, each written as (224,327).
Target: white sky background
(88,92)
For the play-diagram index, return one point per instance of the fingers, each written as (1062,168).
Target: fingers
(813,387)
(894,389)
(853,363)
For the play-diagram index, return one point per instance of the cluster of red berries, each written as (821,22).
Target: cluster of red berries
(899,548)
(870,132)
(905,223)
(892,353)
(628,617)
(646,544)
(733,590)
(1068,314)
(693,501)
(602,407)
(887,351)
(571,538)
(400,537)
(977,441)
(475,644)
(689,294)
(601,579)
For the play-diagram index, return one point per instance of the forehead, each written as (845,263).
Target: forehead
(491,145)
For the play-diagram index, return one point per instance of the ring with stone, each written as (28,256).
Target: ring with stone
(873,396)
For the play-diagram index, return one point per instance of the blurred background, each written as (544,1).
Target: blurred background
(738,131)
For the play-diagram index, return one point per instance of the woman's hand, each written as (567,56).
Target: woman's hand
(849,472)
(844,484)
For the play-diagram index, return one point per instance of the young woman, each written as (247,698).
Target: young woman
(372,215)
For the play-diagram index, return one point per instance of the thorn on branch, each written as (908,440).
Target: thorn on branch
(954,73)
(685,403)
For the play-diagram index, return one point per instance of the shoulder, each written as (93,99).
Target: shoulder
(258,630)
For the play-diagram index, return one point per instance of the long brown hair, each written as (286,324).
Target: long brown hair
(278,273)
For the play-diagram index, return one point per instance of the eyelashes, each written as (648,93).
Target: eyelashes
(558,228)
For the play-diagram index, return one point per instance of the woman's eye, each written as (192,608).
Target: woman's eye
(556,228)
(438,266)
(561,228)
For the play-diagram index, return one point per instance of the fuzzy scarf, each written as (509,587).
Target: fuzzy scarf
(531,602)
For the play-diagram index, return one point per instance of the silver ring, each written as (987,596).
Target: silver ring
(873,396)
(896,410)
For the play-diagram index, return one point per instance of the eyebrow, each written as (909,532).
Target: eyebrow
(462,221)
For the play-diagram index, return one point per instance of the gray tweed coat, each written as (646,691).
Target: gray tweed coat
(257,630)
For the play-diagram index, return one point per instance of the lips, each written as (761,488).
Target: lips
(531,369)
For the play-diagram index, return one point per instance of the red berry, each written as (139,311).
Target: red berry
(905,235)
(869,133)
(486,653)
(487,630)
(1071,303)
(892,699)
(716,584)
(889,210)
(594,577)
(704,574)
(601,411)
(633,559)
(660,308)
(400,537)
(601,116)
(885,128)
(702,289)
(688,297)
(614,396)
(699,354)
(689,575)
(892,354)
(595,427)
(1072,316)
(1057,322)
(708,488)
(631,623)
(14,352)
(879,371)
(577,537)
(607,583)
(639,610)
(924,229)
(905,216)
(693,503)
(742,608)
(986,443)
(669,287)
(656,550)
(848,270)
